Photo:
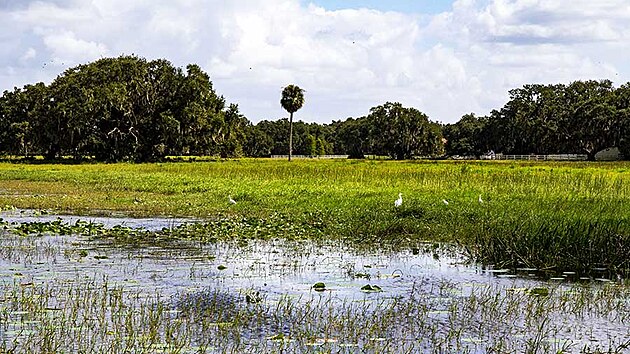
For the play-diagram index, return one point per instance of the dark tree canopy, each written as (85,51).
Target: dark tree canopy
(292,100)
(132,109)
(465,136)
(583,117)
(402,133)
(124,108)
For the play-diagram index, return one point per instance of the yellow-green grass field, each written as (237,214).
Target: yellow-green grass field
(560,216)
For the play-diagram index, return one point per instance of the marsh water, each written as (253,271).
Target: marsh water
(264,272)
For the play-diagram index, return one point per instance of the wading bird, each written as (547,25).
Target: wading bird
(480,200)
(445,201)
(398,201)
(232,201)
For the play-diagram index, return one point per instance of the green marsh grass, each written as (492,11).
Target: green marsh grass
(94,316)
(53,299)
(551,215)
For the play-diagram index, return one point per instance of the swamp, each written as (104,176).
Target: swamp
(314,257)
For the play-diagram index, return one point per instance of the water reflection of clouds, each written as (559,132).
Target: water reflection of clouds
(273,269)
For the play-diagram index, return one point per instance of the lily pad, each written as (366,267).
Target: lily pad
(371,288)
(539,291)
(319,286)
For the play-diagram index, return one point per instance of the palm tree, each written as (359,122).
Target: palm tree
(292,100)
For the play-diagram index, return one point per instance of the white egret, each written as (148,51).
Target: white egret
(445,201)
(480,200)
(232,201)
(398,201)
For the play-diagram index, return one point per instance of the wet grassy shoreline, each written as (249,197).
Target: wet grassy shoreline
(241,277)
(553,215)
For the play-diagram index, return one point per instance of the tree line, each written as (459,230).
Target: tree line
(132,109)
(116,109)
(583,117)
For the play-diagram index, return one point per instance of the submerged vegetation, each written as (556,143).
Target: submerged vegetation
(76,294)
(553,216)
(216,321)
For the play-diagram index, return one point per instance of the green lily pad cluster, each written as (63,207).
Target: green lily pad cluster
(221,229)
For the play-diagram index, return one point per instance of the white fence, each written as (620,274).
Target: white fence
(551,157)
(310,156)
(554,157)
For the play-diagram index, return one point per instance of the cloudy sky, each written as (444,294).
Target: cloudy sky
(444,57)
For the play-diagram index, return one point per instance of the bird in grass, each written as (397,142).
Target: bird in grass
(232,201)
(480,200)
(445,201)
(398,201)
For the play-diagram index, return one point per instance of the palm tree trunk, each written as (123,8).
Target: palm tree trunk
(290,135)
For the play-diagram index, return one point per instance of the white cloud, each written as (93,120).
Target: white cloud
(508,43)
(66,49)
(29,54)
(537,21)
(348,61)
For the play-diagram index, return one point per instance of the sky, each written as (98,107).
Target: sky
(405,6)
(445,58)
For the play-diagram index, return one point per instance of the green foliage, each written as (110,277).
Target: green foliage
(124,108)
(20,112)
(465,137)
(582,117)
(292,100)
(311,145)
(353,136)
(322,147)
(269,138)
(132,109)
(402,132)
(557,239)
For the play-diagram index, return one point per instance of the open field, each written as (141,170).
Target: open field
(560,216)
